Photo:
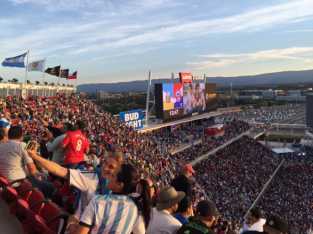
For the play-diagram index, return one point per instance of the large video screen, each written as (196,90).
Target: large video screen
(194,98)
(176,100)
(173,104)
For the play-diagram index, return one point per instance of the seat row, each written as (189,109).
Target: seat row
(36,213)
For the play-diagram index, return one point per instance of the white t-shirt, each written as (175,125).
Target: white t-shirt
(162,222)
(258,226)
(87,184)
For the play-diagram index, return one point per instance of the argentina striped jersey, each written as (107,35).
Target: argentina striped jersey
(112,214)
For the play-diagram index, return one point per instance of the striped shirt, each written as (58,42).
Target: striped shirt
(113,214)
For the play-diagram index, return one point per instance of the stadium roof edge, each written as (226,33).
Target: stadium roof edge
(153,127)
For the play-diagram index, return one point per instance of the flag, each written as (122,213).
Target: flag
(17,61)
(54,71)
(73,76)
(64,73)
(37,65)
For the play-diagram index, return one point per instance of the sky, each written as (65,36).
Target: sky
(121,40)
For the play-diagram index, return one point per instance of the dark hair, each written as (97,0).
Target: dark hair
(15,132)
(256,213)
(184,205)
(67,126)
(129,176)
(146,202)
(80,125)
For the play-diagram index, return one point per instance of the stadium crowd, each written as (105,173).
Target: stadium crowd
(287,198)
(268,114)
(234,175)
(120,181)
(208,143)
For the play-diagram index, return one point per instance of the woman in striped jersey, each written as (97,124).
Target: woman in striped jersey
(123,211)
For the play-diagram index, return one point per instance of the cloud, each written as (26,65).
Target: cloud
(304,54)
(254,20)
(116,33)
(129,6)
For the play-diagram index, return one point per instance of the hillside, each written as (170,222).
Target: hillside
(278,78)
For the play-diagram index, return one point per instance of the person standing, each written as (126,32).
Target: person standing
(203,222)
(184,211)
(274,225)
(76,145)
(162,219)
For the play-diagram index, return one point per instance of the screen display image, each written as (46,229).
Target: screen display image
(194,98)
(177,100)
(172,95)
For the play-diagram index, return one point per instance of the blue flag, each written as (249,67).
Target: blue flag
(17,61)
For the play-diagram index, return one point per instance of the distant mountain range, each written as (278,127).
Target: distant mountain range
(277,78)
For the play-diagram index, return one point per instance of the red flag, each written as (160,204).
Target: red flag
(73,76)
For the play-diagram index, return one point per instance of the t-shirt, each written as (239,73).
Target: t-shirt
(181,218)
(162,222)
(87,185)
(13,160)
(56,149)
(76,145)
(113,214)
(195,226)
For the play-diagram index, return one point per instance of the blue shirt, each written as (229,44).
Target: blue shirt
(181,218)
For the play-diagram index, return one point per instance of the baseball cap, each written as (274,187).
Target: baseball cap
(188,167)
(207,209)
(277,223)
(4,123)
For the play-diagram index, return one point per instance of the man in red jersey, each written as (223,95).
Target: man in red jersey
(76,145)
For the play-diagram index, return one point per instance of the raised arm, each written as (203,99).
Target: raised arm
(50,166)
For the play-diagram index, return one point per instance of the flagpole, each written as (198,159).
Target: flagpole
(26,68)
(59,80)
(44,78)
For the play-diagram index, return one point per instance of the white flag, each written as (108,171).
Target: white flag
(37,65)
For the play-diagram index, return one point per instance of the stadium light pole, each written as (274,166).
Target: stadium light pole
(148,98)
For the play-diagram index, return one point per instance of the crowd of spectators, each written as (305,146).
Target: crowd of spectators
(128,184)
(268,114)
(235,175)
(208,143)
(290,194)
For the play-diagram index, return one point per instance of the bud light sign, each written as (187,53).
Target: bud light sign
(133,118)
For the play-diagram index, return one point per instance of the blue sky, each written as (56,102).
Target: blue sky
(117,40)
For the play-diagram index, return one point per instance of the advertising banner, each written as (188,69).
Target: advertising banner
(133,118)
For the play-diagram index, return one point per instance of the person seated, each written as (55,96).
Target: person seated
(118,212)
(16,165)
(204,221)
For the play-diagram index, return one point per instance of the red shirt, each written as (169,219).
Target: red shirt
(76,145)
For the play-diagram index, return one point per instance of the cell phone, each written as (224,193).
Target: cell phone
(30,145)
